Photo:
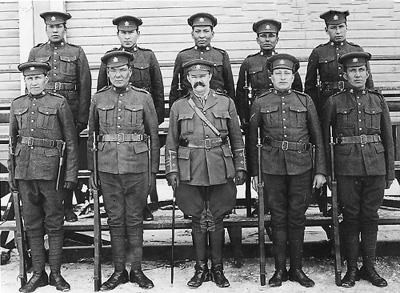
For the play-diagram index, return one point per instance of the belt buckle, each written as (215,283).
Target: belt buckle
(341,85)
(57,85)
(30,141)
(120,137)
(285,145)
(363,138)
(207,143)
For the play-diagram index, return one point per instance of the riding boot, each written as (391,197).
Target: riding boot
(201,268)
(279,246)
(217,272)
(351,244)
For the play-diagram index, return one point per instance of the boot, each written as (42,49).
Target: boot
(279,246)
(38,279)
(296,256)
(218,277)
(117,278)
(351,243)
(137,276)
(217,273)
(59,282)
(368,245)
(201,269)
(147,214)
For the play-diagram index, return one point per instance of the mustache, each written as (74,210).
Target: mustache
(199,83)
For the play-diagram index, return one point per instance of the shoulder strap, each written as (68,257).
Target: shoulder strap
(203,117)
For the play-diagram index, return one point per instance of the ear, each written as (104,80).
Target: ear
(46,79)
(326,29)
(277,39)
(345,76)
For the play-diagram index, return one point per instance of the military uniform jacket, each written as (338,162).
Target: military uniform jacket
(285,116)
(146,74)
(323,62)
(69,66)
(353,113)
(45,116)
(222,79)
(199,166)
(258,78)
(126,110)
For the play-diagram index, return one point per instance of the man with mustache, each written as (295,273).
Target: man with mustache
(204,158)
(69,76)
(364,163)
(146,74)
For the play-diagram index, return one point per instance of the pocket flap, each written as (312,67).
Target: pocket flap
(68,58)
(222,114)
(297,108)
(379,148)
(141,65)
(42,59)
(227,151)
(183,116)
(140,147)
(134,108)
(269,109)
(20,111)
(105,107)
(326,59)
(373,111)
(47,110)
(51,152)
(255,69)
(183,153)
(217,64)
(344,110)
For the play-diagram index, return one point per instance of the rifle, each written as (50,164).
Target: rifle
(97,223)
(261,215)
(247,87)
(335,219)
(60,166)
(173,236)
(19,234)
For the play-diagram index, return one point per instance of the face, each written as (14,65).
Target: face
(35,84)
(119,76)
(282,79)
(55,32)
(357,76)
(337,32)
(202,35)
(128,38)
(267,41)
(200,80)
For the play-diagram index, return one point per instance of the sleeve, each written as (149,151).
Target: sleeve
(85,87)
(71,141)
(241,102)
(174,94)
(93,129)
(171,145)
(387,140)
(102,79)
(314,127)
(157,87)
(254,124)
(151,129)
(310,85)
(228,77)
(236,139)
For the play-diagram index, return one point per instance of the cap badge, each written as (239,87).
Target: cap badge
(198,67)
(335,17)
(268,27)
(281,61)
(126,23)
(201,19)
(115,59)
(32,68)
(53,18)
(355,60)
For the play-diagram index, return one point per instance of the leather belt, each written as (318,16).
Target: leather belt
(122,137)
(207,143)
(332,85)
(362,139)
(40,142)
(61,86)
(287,145)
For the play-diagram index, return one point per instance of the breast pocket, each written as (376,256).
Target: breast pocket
(141,75)
(373,117)
(221,120)
(298,116)
(106,114)
(218,68)
(258,76)
(270,116)
(22,117)
(68,65)
(46,117)
(42,59)
(345,117)
(133,115)
(185,121)
(327,62)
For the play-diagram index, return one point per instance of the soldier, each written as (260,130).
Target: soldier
(146,74)
(364,165)
(254,68)
(124,118)
(289,127)
(41,127)
(69,76)
(324,75)
(202,33)
(204,155)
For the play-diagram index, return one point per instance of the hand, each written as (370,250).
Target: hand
(80,126)
(92,183)
(173,180)
(12,183)
(254,183)
(388,184)
(319,181)
(240,177)
(152,183)
(70,185)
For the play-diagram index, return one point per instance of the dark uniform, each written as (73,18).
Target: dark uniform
(39,126)
(324,75)
(124,118)
(289,126)
(254,67)
(70,77)
(205,165)
(222,79)
(364,155)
